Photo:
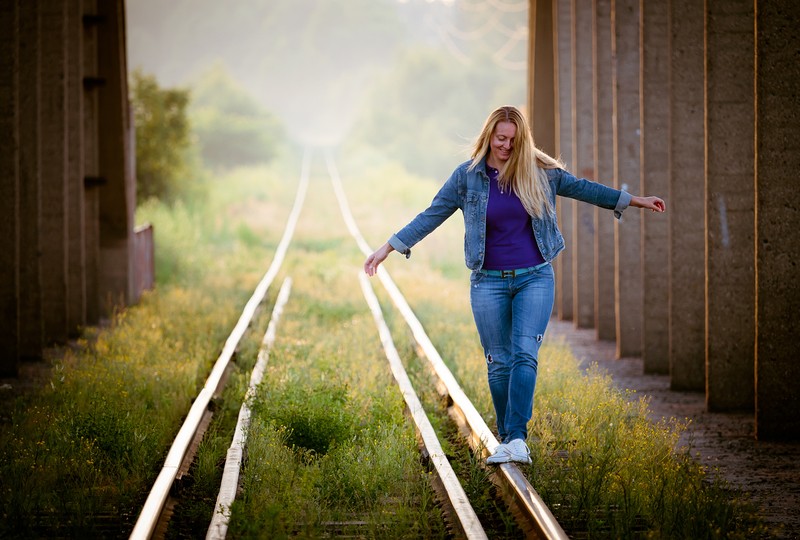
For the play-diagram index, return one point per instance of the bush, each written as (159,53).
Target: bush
(162,138)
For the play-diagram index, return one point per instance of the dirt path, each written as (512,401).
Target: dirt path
(768,471)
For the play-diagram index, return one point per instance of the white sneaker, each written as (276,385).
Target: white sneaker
(515,450)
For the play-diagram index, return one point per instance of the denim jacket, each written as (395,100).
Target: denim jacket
(469,191)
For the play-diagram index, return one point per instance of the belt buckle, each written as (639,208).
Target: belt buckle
(508,273)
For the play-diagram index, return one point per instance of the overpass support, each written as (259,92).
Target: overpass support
(605,319)
(66,176)
(777,211)
(703,100)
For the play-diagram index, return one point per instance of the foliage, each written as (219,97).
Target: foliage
(232,129)
(162,138)
(426,112)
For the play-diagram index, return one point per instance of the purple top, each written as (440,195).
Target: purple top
(509,234)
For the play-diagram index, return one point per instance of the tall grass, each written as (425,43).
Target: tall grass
(77,457)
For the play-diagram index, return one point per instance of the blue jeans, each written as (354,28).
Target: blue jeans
(511,314)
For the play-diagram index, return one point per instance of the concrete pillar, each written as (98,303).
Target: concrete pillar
(564,207)
(605,319)
(777,219)
(628,284)
(54,229)
(541,66)
(117,194)
(9,188)
(76,274)
(31,329)
(583,231)
(686,215)
(655,181)
(91,164)
(730,205)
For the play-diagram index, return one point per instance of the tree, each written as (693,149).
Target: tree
(162,138)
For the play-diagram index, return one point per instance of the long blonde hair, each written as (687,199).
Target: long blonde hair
(524,172)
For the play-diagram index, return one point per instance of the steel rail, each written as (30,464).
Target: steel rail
(468,519)
(481,436)
(218,528)
(148,518)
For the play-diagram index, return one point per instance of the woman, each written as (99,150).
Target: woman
(507,193)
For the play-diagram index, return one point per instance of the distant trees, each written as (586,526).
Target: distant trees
(232,129)
(216,122)
(162,137)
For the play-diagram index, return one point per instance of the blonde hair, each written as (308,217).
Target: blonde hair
(524,172)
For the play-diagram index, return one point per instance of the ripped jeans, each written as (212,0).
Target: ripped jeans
(511,315)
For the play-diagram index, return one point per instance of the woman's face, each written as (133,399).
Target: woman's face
(502,144)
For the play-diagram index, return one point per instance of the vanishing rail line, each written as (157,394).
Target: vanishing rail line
(537,519)
(197,418)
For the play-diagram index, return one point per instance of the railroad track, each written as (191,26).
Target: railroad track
(532,515)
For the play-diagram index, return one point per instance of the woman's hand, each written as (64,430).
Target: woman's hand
(372,262)
(651,203)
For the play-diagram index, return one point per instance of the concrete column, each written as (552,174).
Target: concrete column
(628,284)
(730,205)
(564,207)
(9,188)
(686,215)
(54,229)
(583,231)
(91,164)
(31,330)
(777,219)
(655,181)
(604,318)
(541,66)
(117,194)
(76,275)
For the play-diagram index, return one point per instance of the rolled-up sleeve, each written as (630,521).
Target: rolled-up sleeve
(623,203)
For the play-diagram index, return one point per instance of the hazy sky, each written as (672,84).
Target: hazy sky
(310,61)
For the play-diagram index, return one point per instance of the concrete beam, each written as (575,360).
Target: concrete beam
(687,207)
(76,272)
(655,181)
(9,188)
(541,67)
(118,194)
(31,328)
(605,320)
(777,219)
(583,231)
(54,231)
(564,207)
(628,284)
(91,168)
(730,205)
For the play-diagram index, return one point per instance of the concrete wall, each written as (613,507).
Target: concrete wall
(67,189)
